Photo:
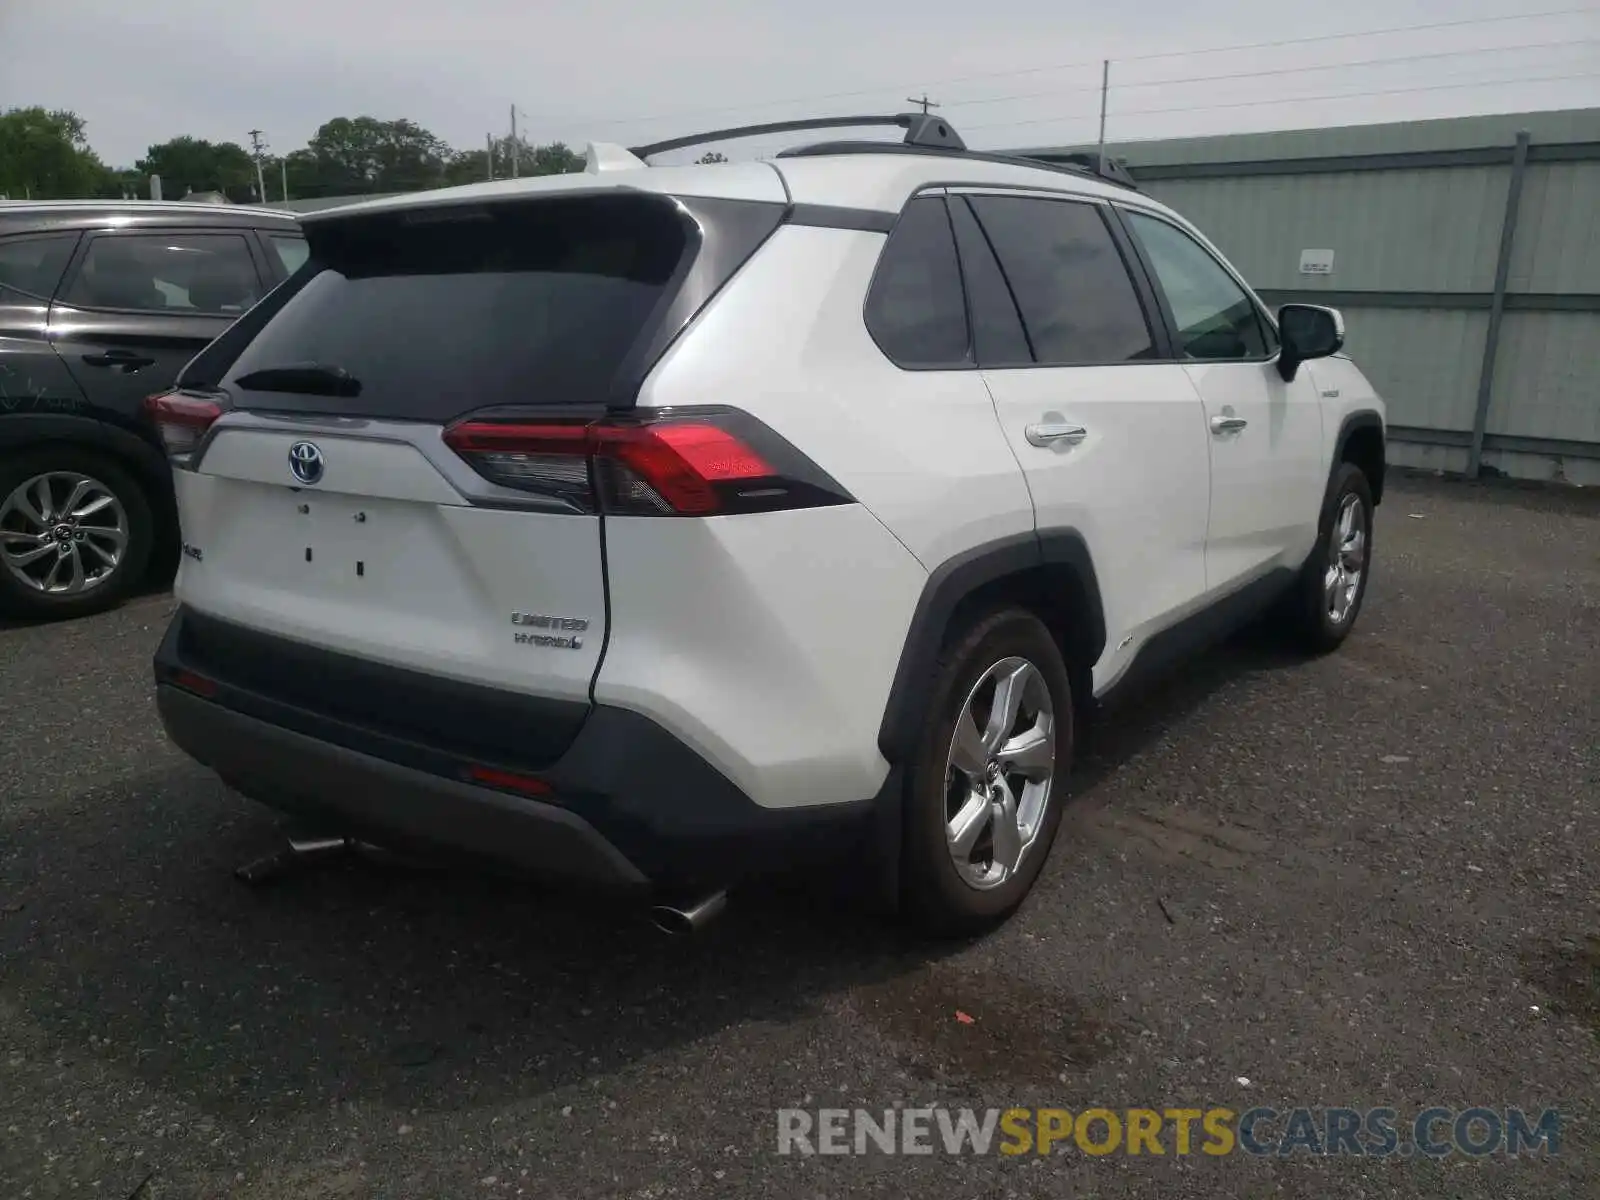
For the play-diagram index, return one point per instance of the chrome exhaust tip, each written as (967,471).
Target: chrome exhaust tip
(680,922)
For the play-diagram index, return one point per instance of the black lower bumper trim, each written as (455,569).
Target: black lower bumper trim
(324,782)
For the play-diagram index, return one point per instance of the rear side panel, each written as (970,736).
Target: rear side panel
(770,642)
(766,642)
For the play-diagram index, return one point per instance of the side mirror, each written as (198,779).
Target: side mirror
(1307,331)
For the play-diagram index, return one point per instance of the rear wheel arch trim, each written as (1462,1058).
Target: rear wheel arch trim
(955,581)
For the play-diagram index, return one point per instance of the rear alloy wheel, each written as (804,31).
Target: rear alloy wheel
(74,533)
(985,793)
(998,772)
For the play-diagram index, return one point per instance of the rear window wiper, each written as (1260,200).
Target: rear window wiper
(309,379)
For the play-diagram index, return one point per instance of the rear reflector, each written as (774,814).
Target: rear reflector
(182,419)
(675,462)
(508,781)
(190,682)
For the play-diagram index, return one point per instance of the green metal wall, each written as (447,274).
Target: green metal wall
(1415,214)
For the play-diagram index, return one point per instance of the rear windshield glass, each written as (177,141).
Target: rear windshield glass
(434,313)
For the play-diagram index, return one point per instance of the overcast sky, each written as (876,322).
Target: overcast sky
(1008,72)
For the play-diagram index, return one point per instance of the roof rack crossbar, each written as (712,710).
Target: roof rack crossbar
(922,129)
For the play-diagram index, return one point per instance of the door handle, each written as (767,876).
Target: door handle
(1227,424)
(1049,435)
(128,360)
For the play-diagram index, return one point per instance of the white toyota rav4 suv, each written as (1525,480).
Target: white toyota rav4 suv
(654,527)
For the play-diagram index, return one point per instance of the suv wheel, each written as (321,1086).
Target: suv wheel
(987,784)
(75,533)
(1323,606)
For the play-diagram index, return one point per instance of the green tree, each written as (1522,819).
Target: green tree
(471,166)
(354,155)
(555,159)
(188,164)
(467,166)
(117,182)
(712,156)
(44,155)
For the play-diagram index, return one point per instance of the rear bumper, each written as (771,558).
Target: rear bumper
(326,783)
(629,807)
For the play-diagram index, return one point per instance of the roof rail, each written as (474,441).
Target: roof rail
(1106,168)
(925,134)
(922,129)
(1114,173)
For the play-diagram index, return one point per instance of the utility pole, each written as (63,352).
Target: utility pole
(488,153)
(256,147)
(924,102)
(1105,86)
(283,172)
(514,147)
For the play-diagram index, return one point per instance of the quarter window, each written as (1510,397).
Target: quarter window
(997,333)
(292,252)
(916,310)
(160,272)
(1071,285)
(1216,318)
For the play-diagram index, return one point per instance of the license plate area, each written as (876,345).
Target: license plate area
(339,543)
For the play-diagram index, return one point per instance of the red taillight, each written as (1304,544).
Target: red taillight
(508,781)
(182,419)
(676,463)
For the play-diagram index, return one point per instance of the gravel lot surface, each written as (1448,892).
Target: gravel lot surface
(1368,880)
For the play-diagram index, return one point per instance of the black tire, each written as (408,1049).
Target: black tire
(934,896)
(1306,614)
(18,599)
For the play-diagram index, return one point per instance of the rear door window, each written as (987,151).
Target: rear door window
(187,274)
(1077,300)
(431,313)
(916,311)
(32,265)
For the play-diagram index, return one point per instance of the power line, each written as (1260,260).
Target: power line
(878,91)
(1261,100)
(1335,37)
(1368,62)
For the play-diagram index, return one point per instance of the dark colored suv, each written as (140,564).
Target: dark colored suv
(101,304)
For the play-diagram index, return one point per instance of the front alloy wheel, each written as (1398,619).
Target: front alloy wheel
(75,532)
(1347,559)
(62,533)
(1321,608)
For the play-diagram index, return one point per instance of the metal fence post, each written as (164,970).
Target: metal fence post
(1497,305)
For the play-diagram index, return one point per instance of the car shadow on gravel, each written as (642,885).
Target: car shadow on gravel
(125,937)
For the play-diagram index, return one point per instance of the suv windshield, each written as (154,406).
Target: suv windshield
(433,313)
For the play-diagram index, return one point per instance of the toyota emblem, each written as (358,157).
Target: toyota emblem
(305,461)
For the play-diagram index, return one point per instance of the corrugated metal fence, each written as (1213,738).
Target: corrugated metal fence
(1465,255)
